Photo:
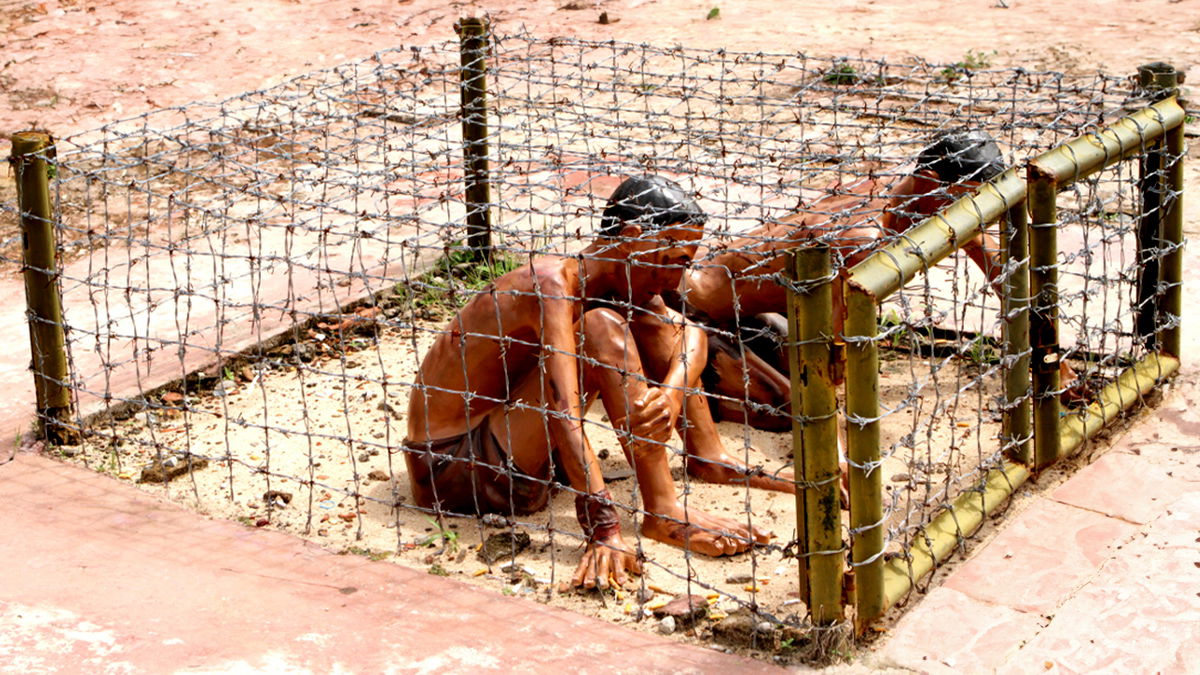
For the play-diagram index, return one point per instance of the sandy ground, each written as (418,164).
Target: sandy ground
(273,428)
(71,66)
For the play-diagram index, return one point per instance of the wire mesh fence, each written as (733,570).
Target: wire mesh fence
(273,312)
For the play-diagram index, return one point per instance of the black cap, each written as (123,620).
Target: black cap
(962,155)
(651,202)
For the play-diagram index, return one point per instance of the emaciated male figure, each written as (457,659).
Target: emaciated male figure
(499,399)
(734,287)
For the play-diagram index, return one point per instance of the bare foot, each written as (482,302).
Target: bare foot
(726,470)
(702,533)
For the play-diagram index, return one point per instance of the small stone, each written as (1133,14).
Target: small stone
(618,475)
(347,516)
(644,595)
(739,578)
(172,398)
(323,532)
(666,625)
(164,470)
(364,457)
(378,475)
(686,609)
(743,629)
(493,520)
(901,478)
(277,499)
(503,545)
(70,450)
(261,522)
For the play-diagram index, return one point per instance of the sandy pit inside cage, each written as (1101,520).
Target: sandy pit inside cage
(325,412)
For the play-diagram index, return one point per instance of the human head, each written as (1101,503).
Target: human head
(657,227)
(958,156)
(650,202)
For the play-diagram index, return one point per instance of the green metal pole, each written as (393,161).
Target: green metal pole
(475,39)
(1016,439)
(1043,320)
(817,426)
(863,451)
(47,339)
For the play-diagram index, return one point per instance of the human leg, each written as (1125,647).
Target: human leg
(617,374)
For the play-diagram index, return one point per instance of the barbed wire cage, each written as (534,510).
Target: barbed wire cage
(248,289)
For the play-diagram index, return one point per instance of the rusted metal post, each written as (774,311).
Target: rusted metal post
(1014,243)
(47,339)
(815,422)
(1043,321)
(474,34)
(863,453)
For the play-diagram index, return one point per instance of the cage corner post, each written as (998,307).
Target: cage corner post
(863,454)
(1162,81)
(1042,195)
(475,38)
(814,433)
(47,336)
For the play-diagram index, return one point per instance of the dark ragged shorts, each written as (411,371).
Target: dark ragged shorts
(471,474)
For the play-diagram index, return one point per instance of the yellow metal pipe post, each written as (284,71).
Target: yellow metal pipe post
(1043,320)
(863,453)
(47,338)
(793,354)
(816,423)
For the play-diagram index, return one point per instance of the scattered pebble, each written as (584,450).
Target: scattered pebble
(685,609)
(666,625)
(501,545)
(379,475)
(739,578)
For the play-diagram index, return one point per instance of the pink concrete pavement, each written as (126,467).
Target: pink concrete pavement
(1101,574)
(101,577)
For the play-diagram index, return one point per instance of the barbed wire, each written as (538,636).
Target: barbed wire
(254,284)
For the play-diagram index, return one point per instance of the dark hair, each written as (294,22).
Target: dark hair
(962,155)
(652,202)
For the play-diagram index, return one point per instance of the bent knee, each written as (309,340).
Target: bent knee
(604,327)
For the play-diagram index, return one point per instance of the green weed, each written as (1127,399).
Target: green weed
(448,537)
(448,285)
(972,61)
(841,74)
(714,13)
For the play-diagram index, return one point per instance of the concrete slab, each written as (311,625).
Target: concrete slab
(110,579)
(951,632)
(1139,614)
(1041,557)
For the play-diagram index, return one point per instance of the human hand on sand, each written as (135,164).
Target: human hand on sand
(606,561)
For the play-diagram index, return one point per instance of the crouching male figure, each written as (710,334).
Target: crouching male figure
(499,399)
